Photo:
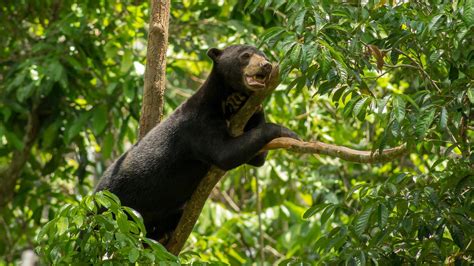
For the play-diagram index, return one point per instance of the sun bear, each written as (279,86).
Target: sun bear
(158,175)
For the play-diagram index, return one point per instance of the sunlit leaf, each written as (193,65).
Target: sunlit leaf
(470,94)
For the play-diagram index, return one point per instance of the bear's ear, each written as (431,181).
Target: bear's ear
(214,54)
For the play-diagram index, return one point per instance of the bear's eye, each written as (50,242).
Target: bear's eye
(245,56)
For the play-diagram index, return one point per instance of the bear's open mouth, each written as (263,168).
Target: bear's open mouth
(257,80)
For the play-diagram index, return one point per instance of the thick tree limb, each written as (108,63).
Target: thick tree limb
(155,71)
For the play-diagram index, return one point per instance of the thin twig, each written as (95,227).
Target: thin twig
(420,68)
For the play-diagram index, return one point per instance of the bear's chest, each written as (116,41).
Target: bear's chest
(233,103)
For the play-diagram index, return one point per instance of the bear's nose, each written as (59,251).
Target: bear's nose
(267,67)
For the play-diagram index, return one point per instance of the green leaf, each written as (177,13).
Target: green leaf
(13,139)
(295,55)
(354,189)
(55,70)
(433,24)
(107,145)
(104,222)
(17,81)
(457,234)
(395,128)
(102,200)
(89,204)
(99,119)
(468,15)
(337,95)
(424,122)
(314,209)
(350,105)
(443,120)
(78,220)
(272,35)
(50,133)
(394,54)
(127,61)
(133,255)
(62,225)
(76,126)
(136,217)
(399,106)
(321,243)
(327,213)
(111,195)
(361,222)
(326,86)
(111,88)
(122,222)
(299,20)
(25,92)
(45,230)
(434,57)
(362,259)
(360,108)
(337,240)
(410,100)
(470,94)
(382,215)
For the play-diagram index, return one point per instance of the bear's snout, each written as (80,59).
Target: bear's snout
(266,68)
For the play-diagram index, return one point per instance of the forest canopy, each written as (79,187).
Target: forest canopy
(367,75)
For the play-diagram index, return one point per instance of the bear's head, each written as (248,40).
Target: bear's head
(243,67)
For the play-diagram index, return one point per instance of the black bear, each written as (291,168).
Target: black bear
(159,173)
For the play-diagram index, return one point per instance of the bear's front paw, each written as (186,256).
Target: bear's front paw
(285,132)
(281,131)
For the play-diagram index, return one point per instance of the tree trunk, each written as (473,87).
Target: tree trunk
(155,71)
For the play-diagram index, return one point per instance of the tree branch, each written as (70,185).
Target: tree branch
(344,153)
(155,71)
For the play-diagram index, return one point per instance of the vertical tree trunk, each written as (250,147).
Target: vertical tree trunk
(155,71)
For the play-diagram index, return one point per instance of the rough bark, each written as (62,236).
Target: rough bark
(344,153)
(155,71)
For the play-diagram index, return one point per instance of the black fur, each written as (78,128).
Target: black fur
(158,174)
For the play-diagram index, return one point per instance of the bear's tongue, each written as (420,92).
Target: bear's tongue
(256,80)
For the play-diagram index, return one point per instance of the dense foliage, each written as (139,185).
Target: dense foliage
(363,74)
